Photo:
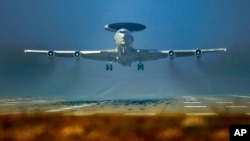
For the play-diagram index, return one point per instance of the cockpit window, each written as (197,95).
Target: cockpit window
(123,31)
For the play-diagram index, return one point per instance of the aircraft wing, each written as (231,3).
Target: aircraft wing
(101,55)
(138,54)
(105,55)
(146,55)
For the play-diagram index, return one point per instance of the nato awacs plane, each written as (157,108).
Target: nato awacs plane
(124,53)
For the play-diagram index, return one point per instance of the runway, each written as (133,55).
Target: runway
(180,118)
(183,105)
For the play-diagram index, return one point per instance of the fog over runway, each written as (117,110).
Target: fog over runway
(184,105)
(67,25)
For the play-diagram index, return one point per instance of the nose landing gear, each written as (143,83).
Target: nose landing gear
(140,66)
(109,67)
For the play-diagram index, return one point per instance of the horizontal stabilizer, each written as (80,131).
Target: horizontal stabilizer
(132,27)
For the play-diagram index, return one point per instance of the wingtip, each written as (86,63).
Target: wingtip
(26,51)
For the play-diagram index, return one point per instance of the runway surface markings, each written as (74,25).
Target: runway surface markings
(201,114)
(224,102)
(9,103)
(236,106)
(70,108)
(139,114)
(189,98)
(241,96)
(212,99)
(190,102)
(195,106)
(10,113)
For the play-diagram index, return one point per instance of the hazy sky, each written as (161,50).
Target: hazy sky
(78,25)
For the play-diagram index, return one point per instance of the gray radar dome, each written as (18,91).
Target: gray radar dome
(132,27)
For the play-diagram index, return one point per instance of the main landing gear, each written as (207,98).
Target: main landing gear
(140,66)
(109,67)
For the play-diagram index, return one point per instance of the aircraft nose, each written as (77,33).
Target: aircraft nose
(123,36)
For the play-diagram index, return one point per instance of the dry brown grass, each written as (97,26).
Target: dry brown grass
(26,127)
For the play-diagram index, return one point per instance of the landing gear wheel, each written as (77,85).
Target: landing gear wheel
(109,67)
(140,67)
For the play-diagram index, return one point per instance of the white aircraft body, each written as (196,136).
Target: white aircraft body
(124,53)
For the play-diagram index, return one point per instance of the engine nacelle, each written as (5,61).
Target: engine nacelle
(171,54)
(51,53)
(77,54)
(198,53)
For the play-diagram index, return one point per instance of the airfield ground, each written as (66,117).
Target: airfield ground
(184,118)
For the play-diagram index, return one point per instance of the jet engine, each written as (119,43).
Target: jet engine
(77,54)
(51,53)
(171,54)
(198,53)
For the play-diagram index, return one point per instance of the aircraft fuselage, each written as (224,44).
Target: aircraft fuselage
(124,45)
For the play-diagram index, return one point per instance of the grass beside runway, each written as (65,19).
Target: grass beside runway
(40,126)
